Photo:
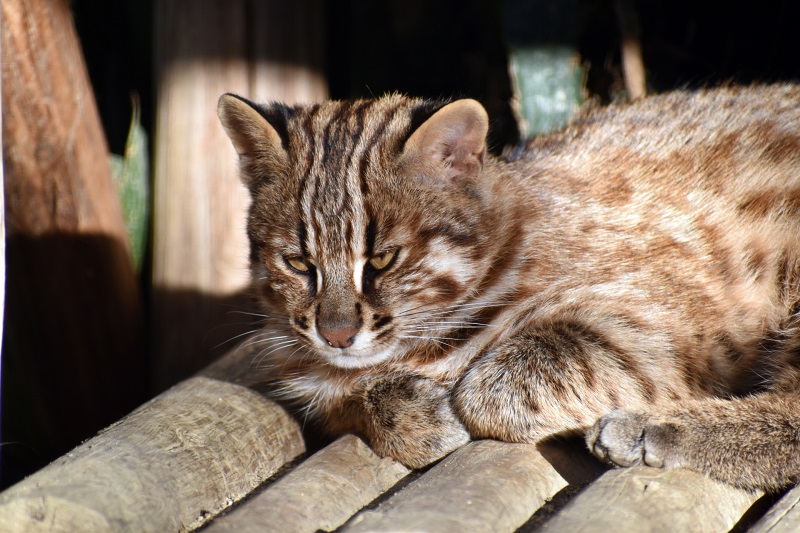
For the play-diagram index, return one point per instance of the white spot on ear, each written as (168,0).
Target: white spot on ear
(358,274)
(319,279)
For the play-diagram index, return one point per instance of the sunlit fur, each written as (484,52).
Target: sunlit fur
(647,258)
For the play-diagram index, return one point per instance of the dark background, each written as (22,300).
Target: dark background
(443,48)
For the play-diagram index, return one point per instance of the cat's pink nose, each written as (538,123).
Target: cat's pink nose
(339,337)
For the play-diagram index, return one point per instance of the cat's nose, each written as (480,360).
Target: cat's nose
(342,337)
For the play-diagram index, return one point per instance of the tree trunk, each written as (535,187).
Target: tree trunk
(73,359)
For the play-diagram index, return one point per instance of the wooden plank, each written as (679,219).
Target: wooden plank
(320,494)
(653,500)
(783,517)
(266,50)
(485,486)
(74,320)
(171,465)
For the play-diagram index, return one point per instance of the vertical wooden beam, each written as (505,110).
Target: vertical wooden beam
(73,317)
(267,50)
(631,49)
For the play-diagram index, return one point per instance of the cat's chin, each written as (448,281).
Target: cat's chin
(355,359)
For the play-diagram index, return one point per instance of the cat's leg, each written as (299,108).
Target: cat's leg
(404,416)
(751,442)
(554,378)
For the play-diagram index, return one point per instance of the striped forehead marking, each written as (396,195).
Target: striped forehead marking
(342,144)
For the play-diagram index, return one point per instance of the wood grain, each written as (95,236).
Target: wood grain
(783,517)
(320,494)
(485,486)
(171,465)
(649,499)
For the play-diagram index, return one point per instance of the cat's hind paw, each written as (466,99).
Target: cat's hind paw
(626,438)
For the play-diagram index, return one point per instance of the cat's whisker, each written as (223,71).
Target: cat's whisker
(239,336)
(269,350)
(453,309)
(438,340)
(262,340)
(453,325)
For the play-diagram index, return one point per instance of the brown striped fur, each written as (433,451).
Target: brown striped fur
(635,276)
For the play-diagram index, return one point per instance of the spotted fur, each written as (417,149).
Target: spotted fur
(635,276)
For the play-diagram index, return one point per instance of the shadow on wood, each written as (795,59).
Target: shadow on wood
(74,351)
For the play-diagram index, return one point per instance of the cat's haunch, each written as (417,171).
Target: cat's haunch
(634,277)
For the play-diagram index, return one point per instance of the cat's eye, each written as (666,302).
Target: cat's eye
(299,264)
(382,261)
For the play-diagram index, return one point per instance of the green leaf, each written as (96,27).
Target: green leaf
(131,175)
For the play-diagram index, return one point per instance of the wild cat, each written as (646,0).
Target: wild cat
(634,277)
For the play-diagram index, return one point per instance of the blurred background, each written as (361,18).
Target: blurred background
(126,259)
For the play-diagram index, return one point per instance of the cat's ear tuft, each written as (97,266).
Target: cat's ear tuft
(450,145)
(258,135)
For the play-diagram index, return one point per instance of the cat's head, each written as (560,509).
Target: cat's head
(365,223)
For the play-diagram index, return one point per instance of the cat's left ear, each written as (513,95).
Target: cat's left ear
(450,145)
(258,134)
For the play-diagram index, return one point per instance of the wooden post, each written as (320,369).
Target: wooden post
(631,49)
(267,50)
(73,317)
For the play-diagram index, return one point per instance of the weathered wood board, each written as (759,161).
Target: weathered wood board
(171,465)
(320,494)
(648,499)
(783,517)
(485,486)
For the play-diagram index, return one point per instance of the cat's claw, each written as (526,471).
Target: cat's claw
(627,439)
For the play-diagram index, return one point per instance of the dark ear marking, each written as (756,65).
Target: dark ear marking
(278,116)
(422,112)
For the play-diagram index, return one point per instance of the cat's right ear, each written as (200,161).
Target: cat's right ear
(449,147)
(258,135)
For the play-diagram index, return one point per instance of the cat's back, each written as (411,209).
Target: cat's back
(695,191)
(725,142)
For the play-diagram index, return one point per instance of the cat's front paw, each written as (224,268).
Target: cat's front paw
(627,438)
(412,421)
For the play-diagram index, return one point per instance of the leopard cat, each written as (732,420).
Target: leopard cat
(634,278)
